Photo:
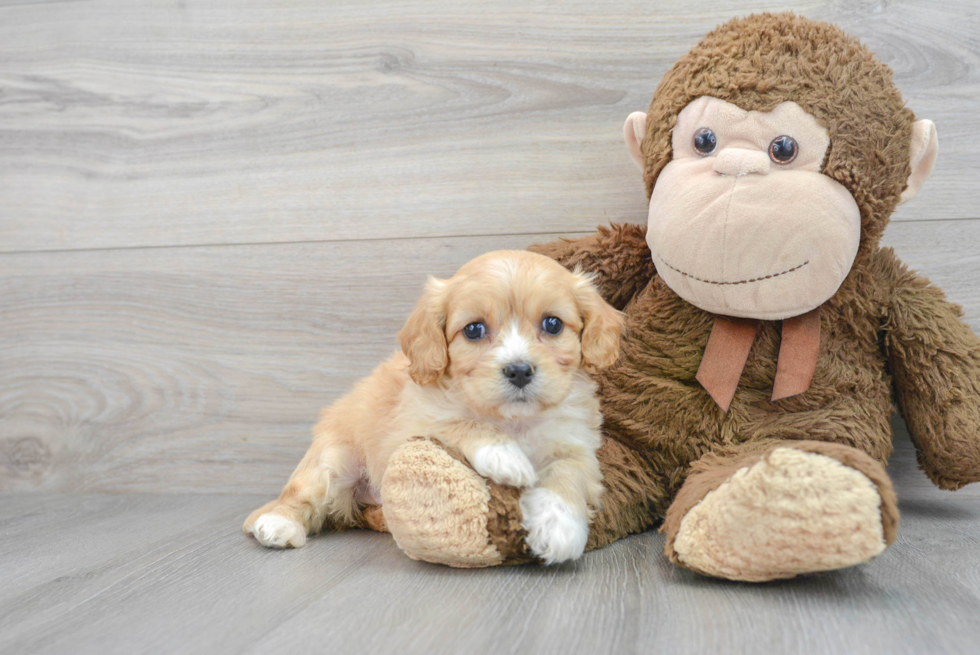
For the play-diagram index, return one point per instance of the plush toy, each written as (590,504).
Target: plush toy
(767,333)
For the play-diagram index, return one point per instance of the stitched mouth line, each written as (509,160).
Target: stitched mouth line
(755,279)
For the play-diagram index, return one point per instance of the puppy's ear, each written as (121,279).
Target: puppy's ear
(423,339)
(603,326)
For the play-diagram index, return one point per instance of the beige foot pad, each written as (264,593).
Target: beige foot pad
(792,512)
(437,508)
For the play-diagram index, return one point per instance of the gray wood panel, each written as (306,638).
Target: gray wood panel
(348,148)
(194,369)
(202,369)
(243,121)
(172,574)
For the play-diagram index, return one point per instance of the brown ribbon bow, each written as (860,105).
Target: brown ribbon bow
(728,350)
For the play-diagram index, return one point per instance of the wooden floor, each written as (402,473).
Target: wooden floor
(216,214)
(153,573)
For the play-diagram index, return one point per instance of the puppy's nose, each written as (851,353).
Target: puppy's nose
(519,374)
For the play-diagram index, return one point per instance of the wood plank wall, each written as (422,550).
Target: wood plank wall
(214,216)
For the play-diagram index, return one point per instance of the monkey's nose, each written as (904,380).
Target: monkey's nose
(741,161)
(519,374)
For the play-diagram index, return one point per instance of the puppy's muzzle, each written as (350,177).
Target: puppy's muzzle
(519,374)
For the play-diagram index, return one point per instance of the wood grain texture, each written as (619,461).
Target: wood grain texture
(128,574)
(242,121)
(194,369)
(203,369)
(239,201)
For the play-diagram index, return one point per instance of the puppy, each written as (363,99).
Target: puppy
(493,363)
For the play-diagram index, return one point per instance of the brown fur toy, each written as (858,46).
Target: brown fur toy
(773,155)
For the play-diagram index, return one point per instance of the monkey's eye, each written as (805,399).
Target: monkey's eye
(475,331)
(705,141)
(783,149)
(552,325)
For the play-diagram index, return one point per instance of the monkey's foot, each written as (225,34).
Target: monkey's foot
(440,510)
(795,508)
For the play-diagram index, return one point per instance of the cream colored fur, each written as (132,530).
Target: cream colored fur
(633,130)
(924,150)
(453,389)
(440,506)
(793,512)
(738,234)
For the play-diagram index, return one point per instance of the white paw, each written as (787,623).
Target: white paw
(555,532)
(504,464)
(277,531)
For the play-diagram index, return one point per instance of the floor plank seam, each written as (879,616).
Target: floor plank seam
(434,237)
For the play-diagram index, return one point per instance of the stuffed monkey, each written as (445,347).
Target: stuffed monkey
(768,334)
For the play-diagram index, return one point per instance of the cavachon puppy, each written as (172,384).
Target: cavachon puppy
(493,364)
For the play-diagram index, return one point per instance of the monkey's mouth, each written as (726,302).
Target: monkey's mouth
(725,283)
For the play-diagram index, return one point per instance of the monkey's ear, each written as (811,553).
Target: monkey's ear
(423,339)
(633,131)
(925,147)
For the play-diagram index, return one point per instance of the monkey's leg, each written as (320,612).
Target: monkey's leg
(778,509)
(440,510)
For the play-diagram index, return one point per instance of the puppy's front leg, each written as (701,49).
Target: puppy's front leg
(493,454)
(557,511)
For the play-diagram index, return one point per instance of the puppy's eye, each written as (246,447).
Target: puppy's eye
(552,325)
(705,141)
(475,331)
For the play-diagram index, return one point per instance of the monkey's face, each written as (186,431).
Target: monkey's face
(742,222)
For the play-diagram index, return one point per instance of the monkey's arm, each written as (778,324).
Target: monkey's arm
(617,255)
(935,360)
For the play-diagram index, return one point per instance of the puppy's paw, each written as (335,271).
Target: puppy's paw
(505,464)
(555,532)
(276,531)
